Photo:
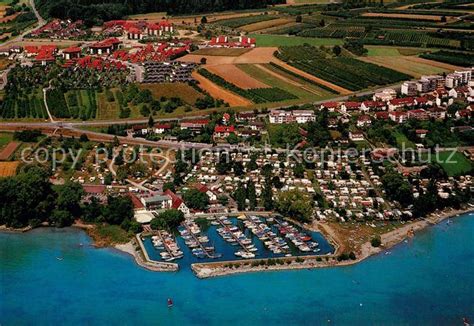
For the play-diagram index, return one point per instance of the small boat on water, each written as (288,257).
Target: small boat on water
(170,303)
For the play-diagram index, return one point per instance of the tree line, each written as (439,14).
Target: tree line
(29,199)
(94,11)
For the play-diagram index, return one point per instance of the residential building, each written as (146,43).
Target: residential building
(409,88)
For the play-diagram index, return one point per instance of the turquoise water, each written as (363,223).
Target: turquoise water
(428,281)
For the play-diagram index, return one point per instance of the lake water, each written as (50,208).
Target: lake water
(427,281)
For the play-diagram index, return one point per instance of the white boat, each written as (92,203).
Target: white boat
(248,255)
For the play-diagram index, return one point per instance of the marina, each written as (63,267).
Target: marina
(226,238)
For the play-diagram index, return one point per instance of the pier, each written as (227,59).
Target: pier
(186,226)
(233,236)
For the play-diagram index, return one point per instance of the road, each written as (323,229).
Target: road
(21,37)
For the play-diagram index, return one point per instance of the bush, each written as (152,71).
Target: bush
(376,241)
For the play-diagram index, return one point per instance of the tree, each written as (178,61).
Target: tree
(295,204)
(196,199)
(397,188)
(169,186)
(223,200)
(169,219)
(61,218)
(251,195)
(68,198)
(232,139)
(83,138)
(376,241)
(108,179)
(203,60)
(337,50)
(92,211)
(204,20)
(267,195)
(238,168)
(299,19)
(151,122)
(118,209)
(298,170)
(240,196)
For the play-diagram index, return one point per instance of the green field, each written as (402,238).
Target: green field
(266,40)
(5,138)
(456,164)
(402,141)
(382,51)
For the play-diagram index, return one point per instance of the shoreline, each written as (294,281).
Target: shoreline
(390,239)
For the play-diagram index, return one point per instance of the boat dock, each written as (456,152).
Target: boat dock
(234,236)
(174,253)
(196,239)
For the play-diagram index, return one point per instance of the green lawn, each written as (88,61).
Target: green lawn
(456,164)
(266,40)
(402,141)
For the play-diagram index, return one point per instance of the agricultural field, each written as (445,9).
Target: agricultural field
(256,95)
(76,104)
(237,76)
(181,90)
(107,109)
(454,58)
(260,26)
(8,150)
(405,64)
(436,18)
(272,77)
(381,51)
(5,138)
(8,169)
(349,73)
(4,63)
(225,52)
(218,92)
(31,106)
(242,21)
(268,40)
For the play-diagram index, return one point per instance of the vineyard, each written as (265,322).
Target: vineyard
(30,106)
(241,21)
(349,73)
(334,32)
(454,58)
(256,95)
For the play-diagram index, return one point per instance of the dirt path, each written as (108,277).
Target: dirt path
(217,92)
(337,88)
